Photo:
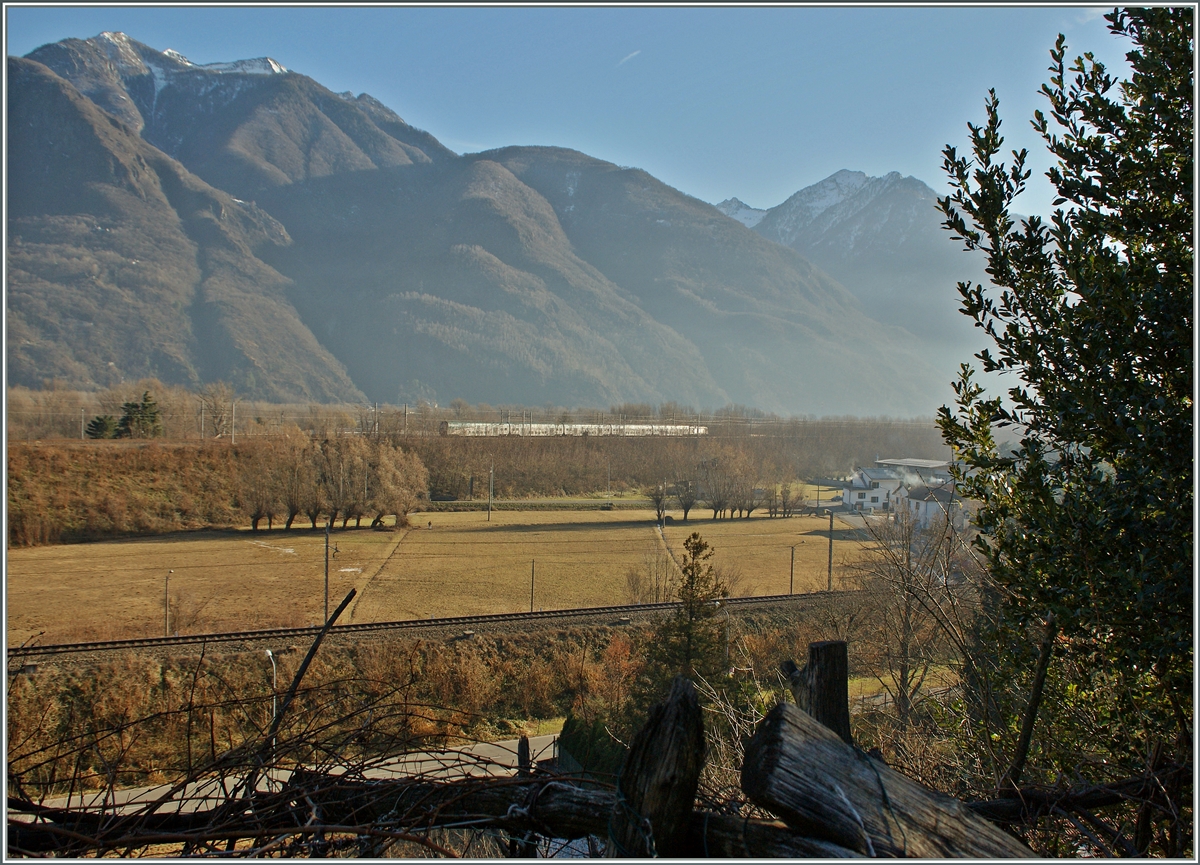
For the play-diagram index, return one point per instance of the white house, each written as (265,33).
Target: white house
(925,504)
(871,489)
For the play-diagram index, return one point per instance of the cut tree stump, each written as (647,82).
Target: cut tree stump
(657,785)
(803,772)
(821,686)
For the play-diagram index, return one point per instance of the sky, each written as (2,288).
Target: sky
(719,102)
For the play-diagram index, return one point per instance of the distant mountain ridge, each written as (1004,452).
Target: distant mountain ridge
(244,126)
(325,250)
(742,212)
(883,239)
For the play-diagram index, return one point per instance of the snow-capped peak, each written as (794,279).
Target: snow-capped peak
(742,212)
(177,57)
(257,66)
(134,56)
(116,37)
(120,48)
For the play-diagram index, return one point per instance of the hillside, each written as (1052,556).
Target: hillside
(371,262)
(243,127)
(777,332)
(124,265)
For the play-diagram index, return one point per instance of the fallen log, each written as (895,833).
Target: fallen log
(802,771)
(720,836)
(1029,803)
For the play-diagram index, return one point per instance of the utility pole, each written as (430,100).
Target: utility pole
(202,420)
(818,495)
(167,605)
(274,695)
(491,486)
(328,520)
(233,426)
(792,573)
(81,424)
(831,550)
(274,678)
(725,609)
(532,571)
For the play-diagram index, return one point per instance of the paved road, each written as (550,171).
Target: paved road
(495,759)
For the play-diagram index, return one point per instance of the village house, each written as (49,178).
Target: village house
(871,489)
(927,504)
(875,489)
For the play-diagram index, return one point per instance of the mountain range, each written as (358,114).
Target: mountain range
(239,221)
(882,238)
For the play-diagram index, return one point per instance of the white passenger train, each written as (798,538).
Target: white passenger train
(483,428)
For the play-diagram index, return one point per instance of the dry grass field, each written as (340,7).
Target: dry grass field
(756,552)
(463,565)
(221,581)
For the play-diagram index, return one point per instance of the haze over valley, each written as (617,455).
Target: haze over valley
(241,222)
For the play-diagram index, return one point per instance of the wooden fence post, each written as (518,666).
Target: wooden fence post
(526,846)
(821,686)
(657,786)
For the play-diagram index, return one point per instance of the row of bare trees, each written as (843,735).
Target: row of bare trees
(347,476)
(795,447)
(214,411)
(728,481)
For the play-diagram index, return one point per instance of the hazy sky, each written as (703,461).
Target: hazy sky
(717,102)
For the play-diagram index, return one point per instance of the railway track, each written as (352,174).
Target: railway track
(449,622)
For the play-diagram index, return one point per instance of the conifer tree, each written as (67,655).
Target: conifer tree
(692,641)
(102,427)
(141,420)
(1090,519)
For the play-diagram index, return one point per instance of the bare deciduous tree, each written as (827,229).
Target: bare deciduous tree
(658,495)
(685,494)
(917,579)
(293,473)
(400,481)
(652,582)
(259,484)
(216,402)
(718,485)
(787,498)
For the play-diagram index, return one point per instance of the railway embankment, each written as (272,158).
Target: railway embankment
(750,613)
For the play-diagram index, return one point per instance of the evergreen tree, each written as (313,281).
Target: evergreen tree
(141,420)
(692,641)
(102,427)
(1091,518)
